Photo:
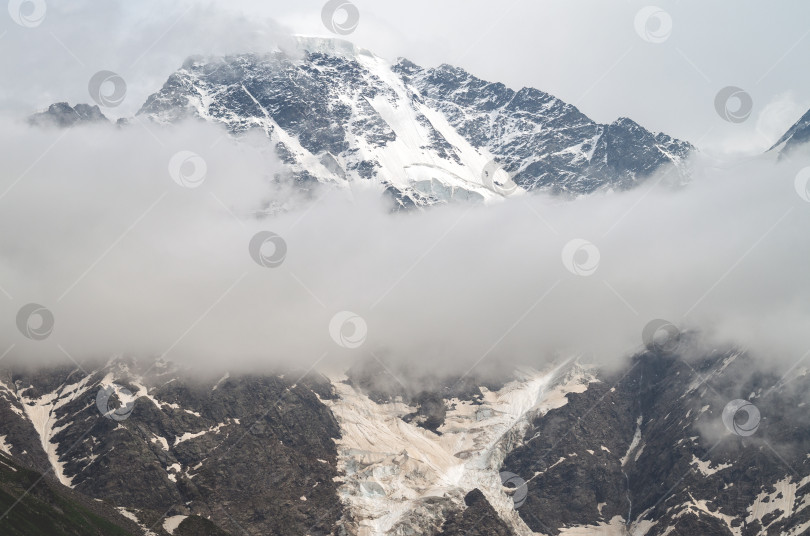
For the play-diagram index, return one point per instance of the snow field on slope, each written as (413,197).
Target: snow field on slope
(391,467)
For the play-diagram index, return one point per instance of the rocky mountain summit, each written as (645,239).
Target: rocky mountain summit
(340,115)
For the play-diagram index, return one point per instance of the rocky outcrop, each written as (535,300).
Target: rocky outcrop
(62,114)
(477,519)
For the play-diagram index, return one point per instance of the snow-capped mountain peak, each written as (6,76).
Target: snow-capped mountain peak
(339,114)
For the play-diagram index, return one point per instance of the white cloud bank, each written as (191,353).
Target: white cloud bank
(128,261)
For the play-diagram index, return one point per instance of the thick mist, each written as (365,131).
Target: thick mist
(142,42)
(101,227)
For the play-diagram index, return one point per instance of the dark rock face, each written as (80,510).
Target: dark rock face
(478,519)
(544,142)
(62,114)
(252,454)
(198,526)
(649,445)
(431,411)
(797,136)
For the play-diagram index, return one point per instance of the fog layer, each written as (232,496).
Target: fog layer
(131,262)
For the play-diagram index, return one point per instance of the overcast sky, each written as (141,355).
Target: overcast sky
(587,52)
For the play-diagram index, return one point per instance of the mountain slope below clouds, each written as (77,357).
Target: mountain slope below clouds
(31,504)
(400,478)
(642,450)
(255,451)
(647,449)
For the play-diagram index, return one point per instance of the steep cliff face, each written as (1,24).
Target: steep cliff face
(649,449)
(542,141)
